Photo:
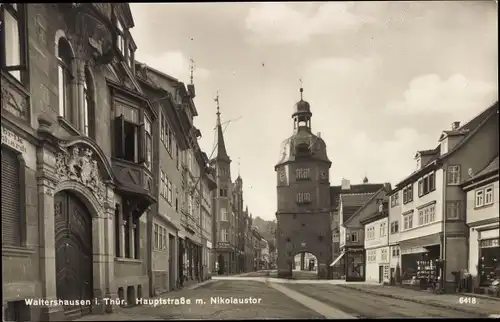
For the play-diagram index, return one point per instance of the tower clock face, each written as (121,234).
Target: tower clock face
(324,175)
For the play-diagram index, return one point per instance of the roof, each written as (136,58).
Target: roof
(467,130)
(366,203)
(491,169)
(221,145)
(355,200)
(374,217)
(336,191)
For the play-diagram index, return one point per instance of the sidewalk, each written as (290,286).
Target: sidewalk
(484,306)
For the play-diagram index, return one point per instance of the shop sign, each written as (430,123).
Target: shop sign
(413,250)
(17,143)
(209,245)
(489,243)
(355,250)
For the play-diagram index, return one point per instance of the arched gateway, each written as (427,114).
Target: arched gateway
(73,244)
(303,215)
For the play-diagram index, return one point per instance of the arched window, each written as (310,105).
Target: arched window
(65,77)
(89,105)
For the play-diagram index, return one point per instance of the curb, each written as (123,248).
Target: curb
(195,286)
(444,306)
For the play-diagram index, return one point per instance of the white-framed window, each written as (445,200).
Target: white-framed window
(383,229)
(453,174)
(370,233)
(427,215)
(148,143)
(479,197)
(408,193)
(371,256)
(223,214)
(303,197)
(65,79)
(395,199)
(408,221)
(426,184)
(224,235)
(488,195)
(394,227)
(302,174)
(453,209)
(384,255)
(88,105)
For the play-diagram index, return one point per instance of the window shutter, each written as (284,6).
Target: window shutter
(11,202)
(120,136)
(142,144)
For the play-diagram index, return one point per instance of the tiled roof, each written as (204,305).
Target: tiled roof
(355,200)
(491,167)
(336,191)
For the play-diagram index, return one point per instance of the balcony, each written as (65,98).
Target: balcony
(189,223)
(135,182)
(15,98)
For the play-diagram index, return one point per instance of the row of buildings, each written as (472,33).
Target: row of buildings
(109,194)
(441,220)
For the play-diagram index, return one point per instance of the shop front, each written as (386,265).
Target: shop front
(354,264)
(420,261)
(489,257)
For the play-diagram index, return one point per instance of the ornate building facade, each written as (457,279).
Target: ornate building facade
(303,214)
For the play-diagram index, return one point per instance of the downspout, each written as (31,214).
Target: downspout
(443,209)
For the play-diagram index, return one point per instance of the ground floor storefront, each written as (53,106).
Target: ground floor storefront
(206,259)
(226,261)
(484,253)
(378,265)
(350,264)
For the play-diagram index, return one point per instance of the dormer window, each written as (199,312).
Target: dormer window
(419,163)
(120,37)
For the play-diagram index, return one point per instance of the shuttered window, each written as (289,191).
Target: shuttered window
(11,202)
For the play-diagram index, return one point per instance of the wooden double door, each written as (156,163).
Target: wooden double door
(74,262)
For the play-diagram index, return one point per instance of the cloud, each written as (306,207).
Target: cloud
(280,22)
(175,64)
(430,94)
(389,160)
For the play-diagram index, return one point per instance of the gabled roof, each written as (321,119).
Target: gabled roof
(355,199)
(336,191)
(490,170)
(367,202)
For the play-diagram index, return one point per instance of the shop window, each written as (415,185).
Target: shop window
(13,40)
(12,198)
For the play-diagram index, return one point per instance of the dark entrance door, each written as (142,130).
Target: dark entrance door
(73,243)
(380,274)
(221,261)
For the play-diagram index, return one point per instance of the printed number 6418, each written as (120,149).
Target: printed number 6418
(467,300)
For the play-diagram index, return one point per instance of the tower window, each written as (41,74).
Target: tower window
(303,197)
(302,174)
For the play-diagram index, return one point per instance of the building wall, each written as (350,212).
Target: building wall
(435,196)
(379,261)
(486,212)
(395,216)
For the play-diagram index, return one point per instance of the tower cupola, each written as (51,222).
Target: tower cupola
(302,113)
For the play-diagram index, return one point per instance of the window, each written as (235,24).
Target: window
(117,231)
(302,174)
(427,215)
(370,233)
(488,196)
(394,227)
(426,184)
(88,105)
(395,251)
(120,37)
(126,225)
(130,56)
(408,193)
(12,201)
(371,256)
(177,161)
(170,140)
(157,236)
(137,238)
(129,135)
(408,221)
(223,192)
(224,235)
(65,79)
(453,209)
(354,237)
(303,197)
(13,39)
(395,199)
(149,143)
(160,237)
(384,254)
(479,198)
(383,229)
(453,174)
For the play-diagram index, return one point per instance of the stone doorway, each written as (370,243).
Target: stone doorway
(73,245)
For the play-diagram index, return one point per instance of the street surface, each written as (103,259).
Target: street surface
(301,299)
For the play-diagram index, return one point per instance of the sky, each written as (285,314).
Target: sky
(384,79)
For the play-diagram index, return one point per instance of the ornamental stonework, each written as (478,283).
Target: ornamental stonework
(79,165)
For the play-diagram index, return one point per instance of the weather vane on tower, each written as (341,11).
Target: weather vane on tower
(191,70)
(301,88)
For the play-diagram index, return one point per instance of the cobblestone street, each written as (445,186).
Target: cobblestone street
(272,304)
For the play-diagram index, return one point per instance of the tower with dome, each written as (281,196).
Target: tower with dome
(303,212)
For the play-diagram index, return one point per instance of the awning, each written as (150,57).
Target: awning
(420,242)
(336,260)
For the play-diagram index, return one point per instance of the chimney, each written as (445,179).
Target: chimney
(346,184)
(319,135)
(387,186)
(455,126)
